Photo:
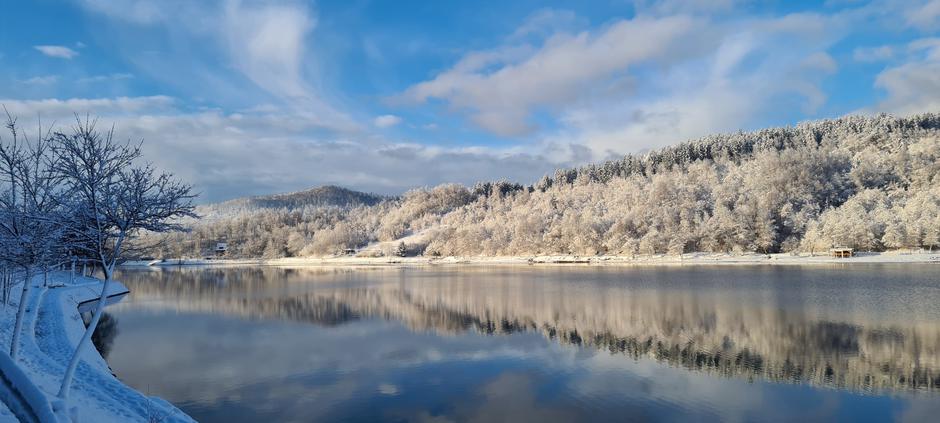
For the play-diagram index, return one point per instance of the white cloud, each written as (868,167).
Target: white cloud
(624,86)
(872,54)
(228,155)
(557,73)
(913,87)
(105,78)
(266,43)
(60,52)
(748,76)
(820,61)
(386,121)
(645,82)
(546,22)
(929,47)
(56,108)
(923,14)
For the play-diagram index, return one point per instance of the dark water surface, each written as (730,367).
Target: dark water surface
(543,344)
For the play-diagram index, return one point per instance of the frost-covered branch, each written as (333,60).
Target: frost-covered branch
(112,200)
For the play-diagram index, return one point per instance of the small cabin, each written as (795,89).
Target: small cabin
(221,248)
(349,252)
(841,252)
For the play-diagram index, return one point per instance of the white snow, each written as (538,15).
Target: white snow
(53,327)
(658,259)
(6,415)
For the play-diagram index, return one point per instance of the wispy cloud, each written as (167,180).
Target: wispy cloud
(61,52)
(386,121)
(615,95)
(233,154)
(265,43)
(41,80)
(105,78)
(923,14)
(94,106)
(261,104)
(872,54)
(913,86)
(501,92)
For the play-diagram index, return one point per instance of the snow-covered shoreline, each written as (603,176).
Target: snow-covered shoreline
(53,328)
(655,260)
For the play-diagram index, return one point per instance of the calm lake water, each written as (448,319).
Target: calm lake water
(544,344)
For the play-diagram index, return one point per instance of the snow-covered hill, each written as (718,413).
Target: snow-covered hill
(318,197)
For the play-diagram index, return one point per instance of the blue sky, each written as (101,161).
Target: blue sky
(249,97)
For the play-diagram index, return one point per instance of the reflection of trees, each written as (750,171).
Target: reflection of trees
(103,336)
(698,331)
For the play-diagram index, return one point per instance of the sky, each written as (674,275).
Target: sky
(243,97)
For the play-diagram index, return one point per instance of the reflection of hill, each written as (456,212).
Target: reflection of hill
(694,330)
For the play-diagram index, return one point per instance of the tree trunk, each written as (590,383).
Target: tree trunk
(20,314)
(86,337)
(5,279)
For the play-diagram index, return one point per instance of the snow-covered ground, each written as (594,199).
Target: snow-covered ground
(52,328)
(5,414)
(659,259)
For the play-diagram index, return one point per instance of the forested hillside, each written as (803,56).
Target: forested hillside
(319,197)
(869,182)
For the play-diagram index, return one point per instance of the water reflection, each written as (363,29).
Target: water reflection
(103,336)
(871,328)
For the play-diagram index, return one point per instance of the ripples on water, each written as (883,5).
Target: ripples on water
(535,343)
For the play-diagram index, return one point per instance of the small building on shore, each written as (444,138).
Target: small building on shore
(841,252)
(221,248)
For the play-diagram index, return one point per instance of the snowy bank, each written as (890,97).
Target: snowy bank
(52,328)
(23,399)
(659,259)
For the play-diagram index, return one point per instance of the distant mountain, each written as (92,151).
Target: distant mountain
(324,196)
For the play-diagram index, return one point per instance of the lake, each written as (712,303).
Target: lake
(535,343)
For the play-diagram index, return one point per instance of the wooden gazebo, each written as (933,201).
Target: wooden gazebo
(841,252)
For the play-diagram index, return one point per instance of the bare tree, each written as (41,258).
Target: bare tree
(31,226)
(112,200)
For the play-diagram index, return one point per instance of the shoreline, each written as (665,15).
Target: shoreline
(655,260)
(52,329)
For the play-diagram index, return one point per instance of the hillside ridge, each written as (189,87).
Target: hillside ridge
(315,197)
(867,182)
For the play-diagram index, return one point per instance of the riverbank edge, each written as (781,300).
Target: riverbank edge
(59,306)
(654,260)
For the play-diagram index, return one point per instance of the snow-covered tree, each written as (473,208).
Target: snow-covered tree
(112,198)
(812,186)
(31,224)
(895,236)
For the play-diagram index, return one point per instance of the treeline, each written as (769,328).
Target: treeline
(319,197)
(868,182)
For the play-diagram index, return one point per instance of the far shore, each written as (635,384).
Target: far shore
(639,260)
